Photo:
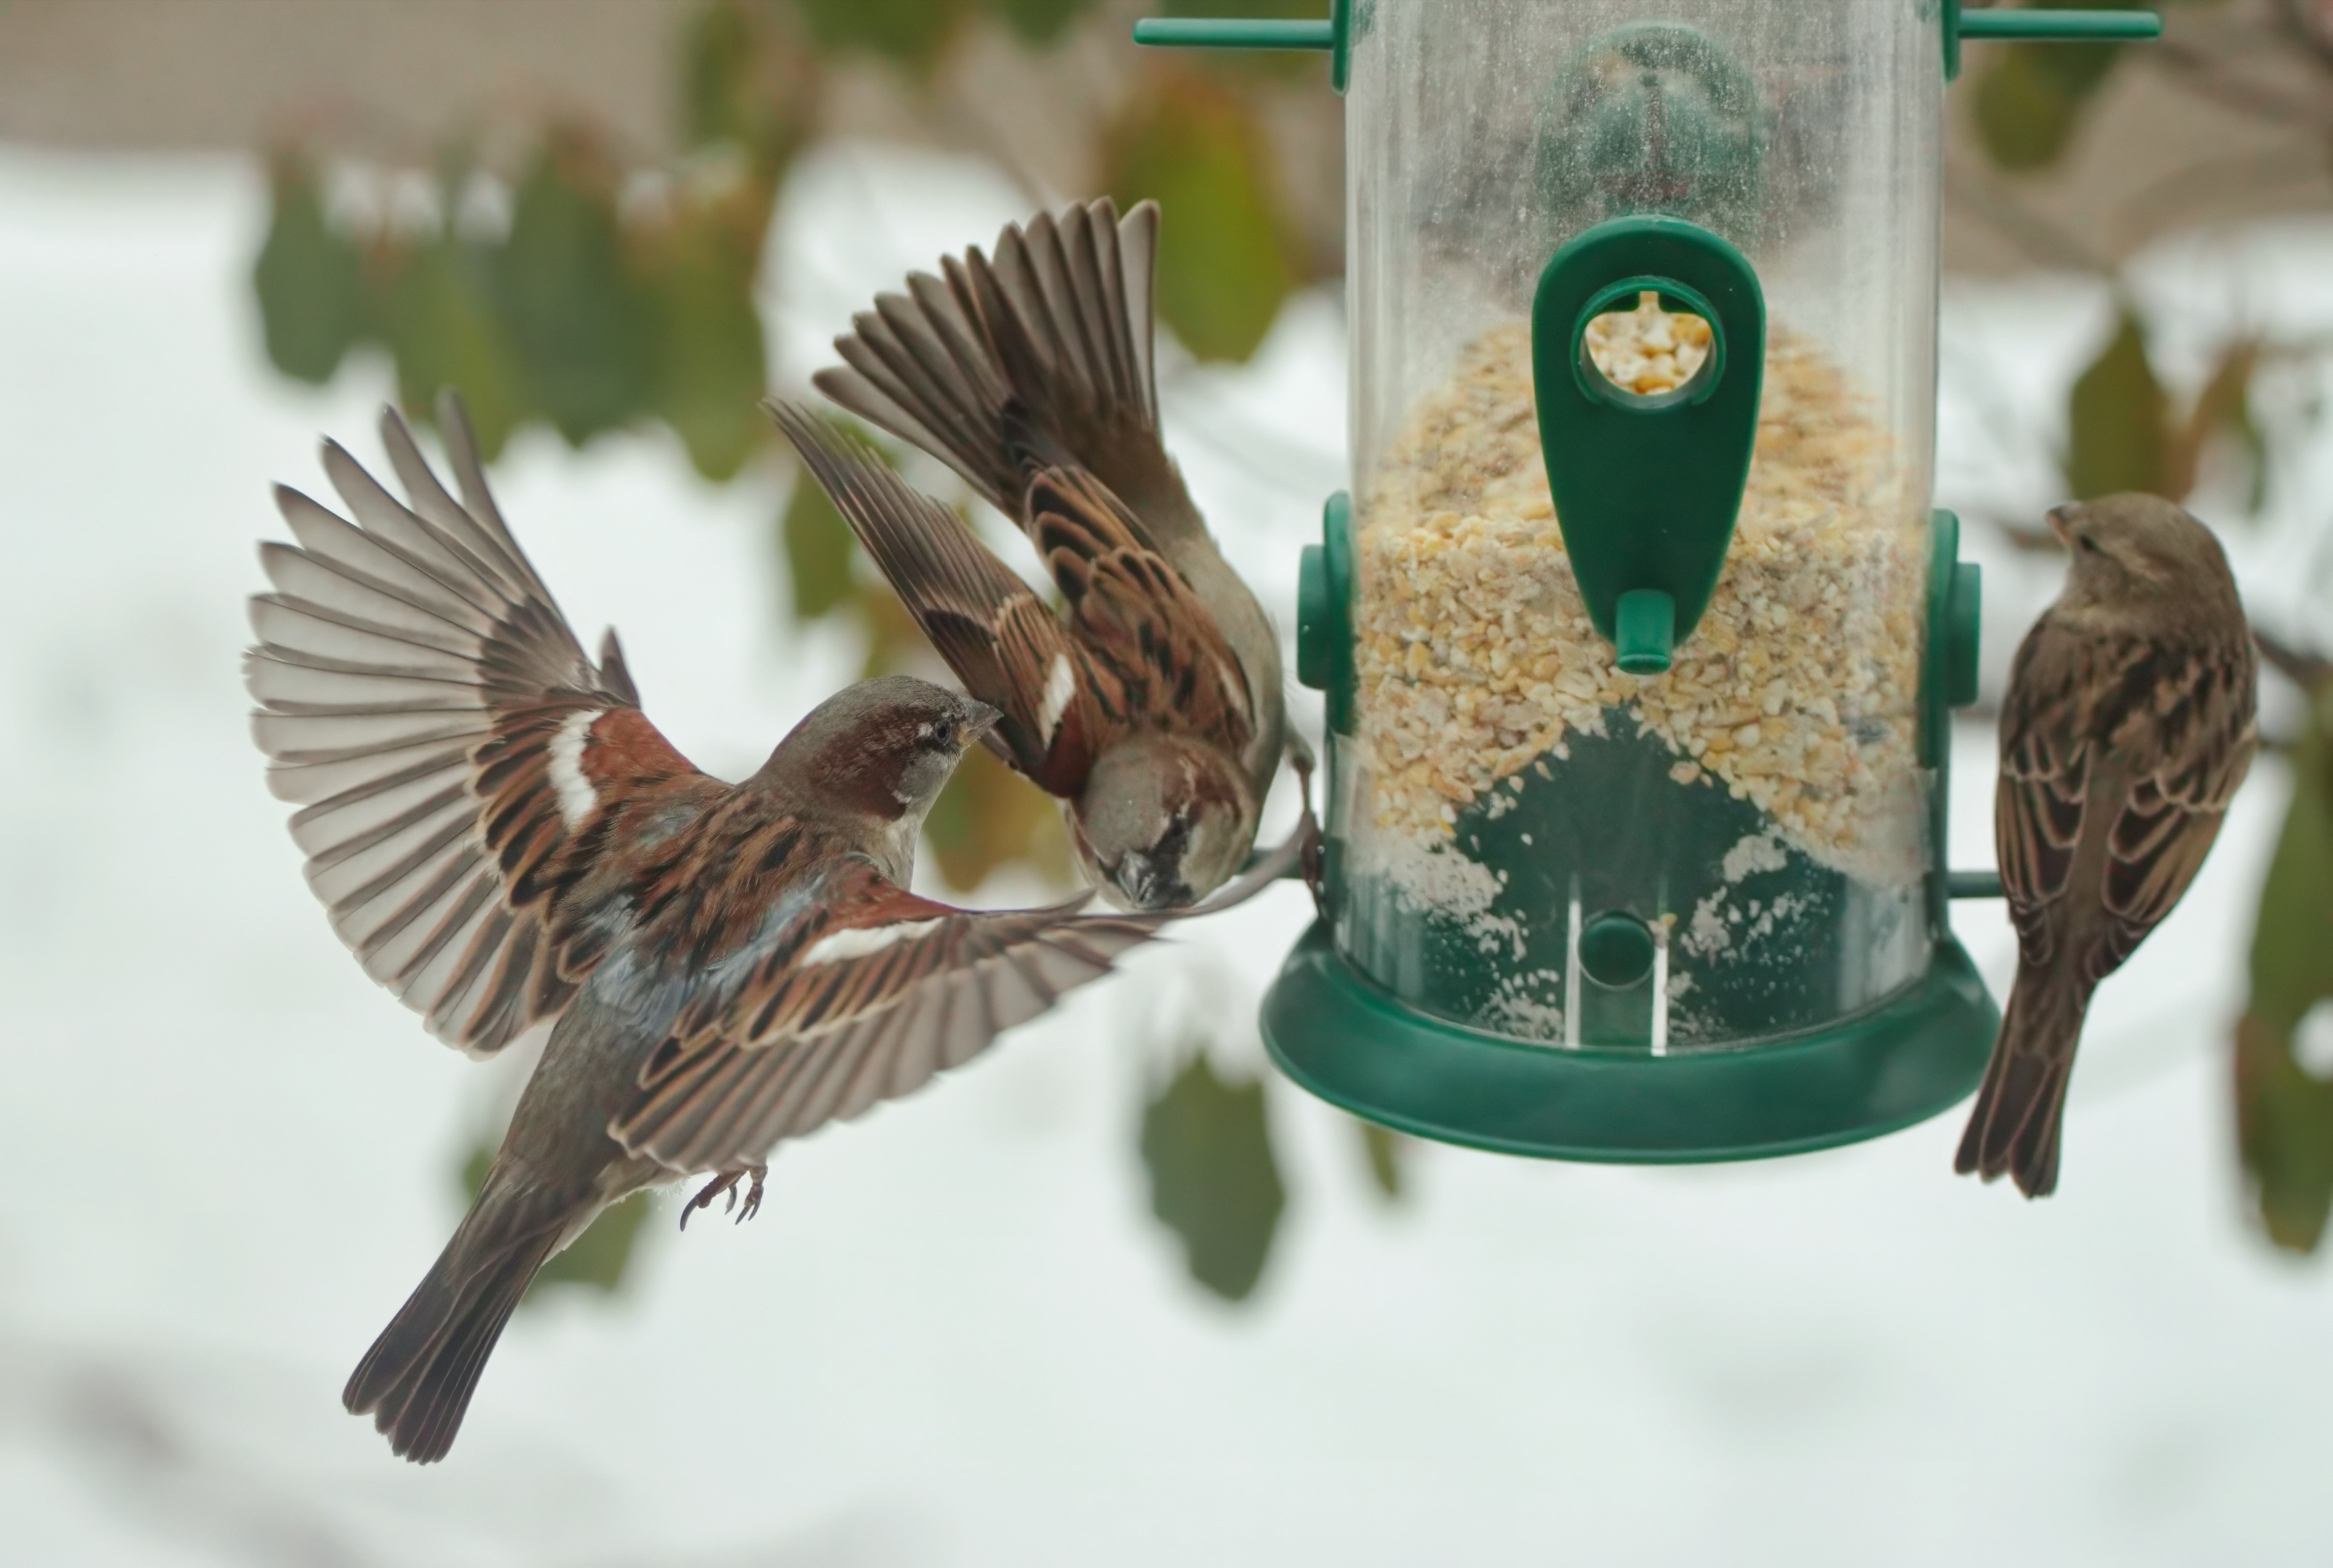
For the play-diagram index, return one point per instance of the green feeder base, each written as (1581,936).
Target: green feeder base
(1345,1039)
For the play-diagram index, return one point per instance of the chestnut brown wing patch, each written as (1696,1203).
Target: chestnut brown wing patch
(1159,656)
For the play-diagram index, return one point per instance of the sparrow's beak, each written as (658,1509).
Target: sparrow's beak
(982,720)
(2061,522)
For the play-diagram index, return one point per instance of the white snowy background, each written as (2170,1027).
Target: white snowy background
(954,1335)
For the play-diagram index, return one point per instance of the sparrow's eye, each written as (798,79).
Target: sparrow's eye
(2088,544)
(944,732)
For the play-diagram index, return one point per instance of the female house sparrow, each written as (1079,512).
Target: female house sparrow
(505,840)
(1156,715)
(2127,726)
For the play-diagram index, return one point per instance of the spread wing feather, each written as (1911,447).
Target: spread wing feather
(1043,356)
(866,1000)
(413,677)
(1007,648)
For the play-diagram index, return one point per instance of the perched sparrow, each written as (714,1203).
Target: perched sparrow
(1155,713)
(2127,726)
(504,840)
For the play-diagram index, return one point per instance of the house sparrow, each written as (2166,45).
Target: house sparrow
(1156,712)
(504,840)
(2127,726)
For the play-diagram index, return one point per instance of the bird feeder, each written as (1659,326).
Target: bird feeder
(1637,632)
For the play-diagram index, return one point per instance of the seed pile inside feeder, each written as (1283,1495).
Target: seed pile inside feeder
(1798,691)
(1647,351)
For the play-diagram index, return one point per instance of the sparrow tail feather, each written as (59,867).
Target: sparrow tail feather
(2014,1129)
(416,1379)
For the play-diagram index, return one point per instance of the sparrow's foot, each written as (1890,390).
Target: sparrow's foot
(725,1186)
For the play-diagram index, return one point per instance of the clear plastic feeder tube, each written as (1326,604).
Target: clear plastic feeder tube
(1532,841)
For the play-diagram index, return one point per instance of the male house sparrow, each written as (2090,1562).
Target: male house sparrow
(2127,726)
(1155,713)
(504,840)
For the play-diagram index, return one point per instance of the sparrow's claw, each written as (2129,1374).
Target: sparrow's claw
(725,1186)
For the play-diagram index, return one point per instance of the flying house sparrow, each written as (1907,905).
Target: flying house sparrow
(1155,713)
(504,840)
(2127,726)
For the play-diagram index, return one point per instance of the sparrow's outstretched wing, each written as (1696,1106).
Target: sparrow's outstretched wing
(1041,357)
(1001,640)
(424,702)
(865,1000)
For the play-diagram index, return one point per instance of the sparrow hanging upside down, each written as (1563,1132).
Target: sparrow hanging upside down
(2127,726)
(503,840)
(1155,713)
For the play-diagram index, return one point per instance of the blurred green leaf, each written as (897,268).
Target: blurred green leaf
(710,370)
(818,547)
(598,1259)
(437,316)
(1213,1182)
(579,322)
(2284,1115)
(716,54)
(1039,22)
(2025,112)
(2120,419)
(2222,410)
(2284,1126)
(725,98)
(310,279)
(910,32)
(1385,1147)
(1223,253)
(2031,96)
(2292,941)
(988,816)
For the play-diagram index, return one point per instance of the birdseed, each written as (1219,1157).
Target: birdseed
(1647,351)
(1798,691)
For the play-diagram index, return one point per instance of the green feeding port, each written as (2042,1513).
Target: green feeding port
(1643,631)
(1617,949)
(1662,546)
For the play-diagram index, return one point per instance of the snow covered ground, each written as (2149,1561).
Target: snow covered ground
(955,1336)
